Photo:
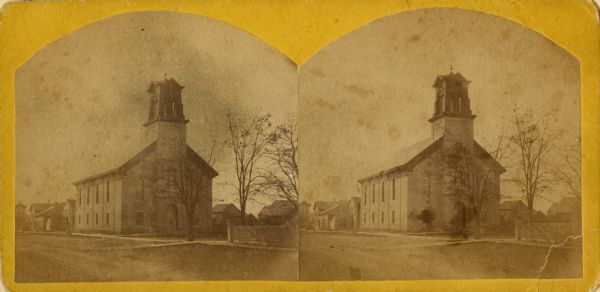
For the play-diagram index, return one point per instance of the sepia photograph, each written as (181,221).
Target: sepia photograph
(440,144)
(156,146)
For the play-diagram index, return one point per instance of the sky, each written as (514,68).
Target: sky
(369,93)
(81,101)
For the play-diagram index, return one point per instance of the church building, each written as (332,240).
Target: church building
(414,193)
(142,194)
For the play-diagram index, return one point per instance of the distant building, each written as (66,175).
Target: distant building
(567,210)
(221,213)
(413,189)
(305,216)
(50,218)
(511,211)
(279,212)
(22,221)
(337,215)
(140,195)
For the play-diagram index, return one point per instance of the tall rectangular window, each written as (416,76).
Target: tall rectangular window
(373,193)
(365,218)
(96,218)
(383,191)
(108,191)
(365,195)
(393,189)
(373,217)
(139,218)
(87,200)
(87,219)
(79,219)
(79,197)
(382,216)
(393,216)
(107,219)
(97,195)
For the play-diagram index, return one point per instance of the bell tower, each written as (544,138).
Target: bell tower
(166,124)
(452,116)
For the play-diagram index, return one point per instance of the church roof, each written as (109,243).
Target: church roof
(411,156)
(191,154)
(219,208)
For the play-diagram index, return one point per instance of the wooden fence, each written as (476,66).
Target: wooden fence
(550,232)
(266,235)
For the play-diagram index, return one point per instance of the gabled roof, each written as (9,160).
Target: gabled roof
(219,208)
(324,205)
(410,156)
(39,207)
(568,205)
(277,208)
(55,210)
(191,155)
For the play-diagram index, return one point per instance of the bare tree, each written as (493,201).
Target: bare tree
(187,183)
(533,140)
(249,142)
(281,175)
(568,170)
(472,178)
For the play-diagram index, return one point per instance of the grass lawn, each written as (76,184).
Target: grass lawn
(52,258)
(330,256)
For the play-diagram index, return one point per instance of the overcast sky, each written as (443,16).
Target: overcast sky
(369,94)
(81,101)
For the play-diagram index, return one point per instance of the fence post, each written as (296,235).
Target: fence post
(229,237)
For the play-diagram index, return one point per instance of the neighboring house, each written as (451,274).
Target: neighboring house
(411,193)
(305,216)
(341,215)
(567,210)
(140,196)
(51,219)
(221,213)
(38,223)
(278,213)
(21,218)
(511,211)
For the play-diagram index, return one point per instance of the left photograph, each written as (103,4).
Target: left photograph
(156,146)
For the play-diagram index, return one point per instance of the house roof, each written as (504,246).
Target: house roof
(566,205)
(55,210)
(324,205)
(191,154)
(39,207)
(219,208)
(277,208)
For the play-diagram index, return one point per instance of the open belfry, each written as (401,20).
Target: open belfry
(415,184)
(141,195)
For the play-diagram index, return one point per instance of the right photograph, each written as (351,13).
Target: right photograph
(440,144)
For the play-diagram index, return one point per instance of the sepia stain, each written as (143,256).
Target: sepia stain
(394,133)
(366,124)
(506,34)
(414,38)
(323,103)
(358,90)
(316,72)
